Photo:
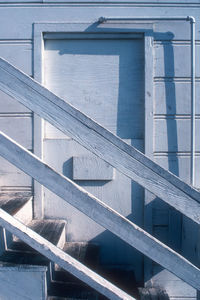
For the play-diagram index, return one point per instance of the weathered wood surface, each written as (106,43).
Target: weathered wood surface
(100,141)
(61,258)
(98,211)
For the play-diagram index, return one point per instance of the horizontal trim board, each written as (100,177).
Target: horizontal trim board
(16,188)
(97,36)
(157,153)
(21,1)
(175,42)
(175,117)
(175,79)
(96,210)
(16,115)
(127,1)
(100,141)
(23,268)
(15,42)
(149,2)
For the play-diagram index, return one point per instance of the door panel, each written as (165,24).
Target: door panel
(104,78)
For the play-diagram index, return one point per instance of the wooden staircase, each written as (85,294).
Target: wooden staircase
(57,282)
(120,155)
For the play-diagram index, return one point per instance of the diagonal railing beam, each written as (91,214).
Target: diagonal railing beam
(99,211)
(61,258)
(100,141)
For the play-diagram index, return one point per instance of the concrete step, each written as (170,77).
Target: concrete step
(19,205)
(61,298)
(23,258)
(86,253)
(52,230)
(64,284)
(122,276)
(72,291)
(153,294)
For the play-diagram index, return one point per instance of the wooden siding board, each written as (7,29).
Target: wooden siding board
(10,176)
(11,105)
(174,97)
(179,165)
(170,59)
(19,128)
(18,53)
(173,135)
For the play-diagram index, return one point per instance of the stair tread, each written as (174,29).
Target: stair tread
(72,298)
(13,202)
(24,258)
(49,229)
(85,252)
(72,290)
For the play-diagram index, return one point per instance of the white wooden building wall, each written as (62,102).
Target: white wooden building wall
(171,82)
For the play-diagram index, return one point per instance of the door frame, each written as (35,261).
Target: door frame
(94,28)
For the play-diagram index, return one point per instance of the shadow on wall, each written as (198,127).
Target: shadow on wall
(170,231)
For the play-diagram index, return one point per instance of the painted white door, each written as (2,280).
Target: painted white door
(103,76)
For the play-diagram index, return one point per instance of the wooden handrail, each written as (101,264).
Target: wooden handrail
(100,141)
(61,258)
(99,211)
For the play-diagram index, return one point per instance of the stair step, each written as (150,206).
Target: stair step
(72,291)
(13,203)
(23,258)
(19,205)
(52,230)
(153,294)
(87,253)
(65,298)
(64,284)
(121,276)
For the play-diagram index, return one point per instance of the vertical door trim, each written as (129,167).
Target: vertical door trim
(149,142)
